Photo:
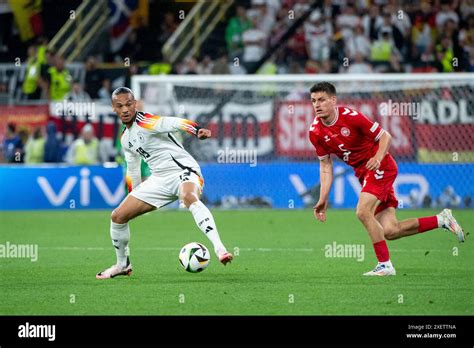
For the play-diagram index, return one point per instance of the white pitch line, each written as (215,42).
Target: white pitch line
(307,250)
(61,248)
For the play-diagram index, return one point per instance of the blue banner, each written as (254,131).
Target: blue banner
(283,185)
(277,185)
(60,187)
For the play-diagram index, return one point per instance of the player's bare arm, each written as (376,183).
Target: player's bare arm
(384,145)
(326,177)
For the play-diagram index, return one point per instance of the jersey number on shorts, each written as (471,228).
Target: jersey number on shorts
(143,153)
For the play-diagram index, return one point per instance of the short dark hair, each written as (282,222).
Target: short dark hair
(122,90)
(323,87)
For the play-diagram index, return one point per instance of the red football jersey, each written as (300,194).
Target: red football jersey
(351,136)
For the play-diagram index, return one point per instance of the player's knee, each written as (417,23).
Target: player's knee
(118,217)
(189,198)
(363,214)
(391,232)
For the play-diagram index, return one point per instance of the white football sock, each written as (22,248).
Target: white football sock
(440,219)
(206,224)
(120,234)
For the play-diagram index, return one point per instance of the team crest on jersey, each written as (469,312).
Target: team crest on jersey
(345,131)
(141,137)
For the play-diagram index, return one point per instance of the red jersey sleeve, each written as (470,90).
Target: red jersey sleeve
(367,127)
(320,151)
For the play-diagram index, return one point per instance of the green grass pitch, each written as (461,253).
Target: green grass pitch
(281,267)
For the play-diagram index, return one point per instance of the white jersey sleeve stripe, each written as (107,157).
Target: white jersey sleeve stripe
(374,127)
(379,135)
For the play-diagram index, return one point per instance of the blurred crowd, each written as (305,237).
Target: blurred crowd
(356,36)
(343,36)
(44,145)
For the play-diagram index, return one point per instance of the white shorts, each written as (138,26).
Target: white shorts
(163,190)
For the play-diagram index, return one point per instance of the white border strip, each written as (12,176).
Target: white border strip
(137,79)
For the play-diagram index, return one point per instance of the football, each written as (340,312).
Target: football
(194,257)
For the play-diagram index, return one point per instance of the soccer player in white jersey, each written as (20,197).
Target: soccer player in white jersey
(175,175)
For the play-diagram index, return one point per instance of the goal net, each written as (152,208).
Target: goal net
(260,155)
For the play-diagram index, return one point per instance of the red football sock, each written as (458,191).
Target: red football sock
(427,223)
(381,250)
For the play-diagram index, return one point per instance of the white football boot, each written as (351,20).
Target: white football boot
(450,224)
(382,269)
(225,258)
(114,271)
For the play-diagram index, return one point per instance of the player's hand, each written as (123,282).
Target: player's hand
(373,164)
(203,133)
(319,210)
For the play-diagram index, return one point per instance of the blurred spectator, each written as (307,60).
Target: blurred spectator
(449,198)
(414,198)
(205,66)
(12,145)
(337,49)
(422,39)
(444,55)
(446,13)
(466,8)
(466,35)
(34,148)
(42,50)
(296,50)
(255,41)
(347,21)
(167,27)
(358,44)
(59,80)
(188,66)
(467,201)
(107,150)
(372,22)
(400,19)
(161,68)
(427,202)
(129,48)
(52,147)
(234,30)
(191,67)
(31,89)
(317,33)
(395,34)
(221,65)
(384,53)
(359,66)
(265,14)
(105,91)
(78,95)
(85,149)
(94,78)
(24,135)
(470,61)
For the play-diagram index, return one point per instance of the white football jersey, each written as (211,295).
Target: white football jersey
(150,137)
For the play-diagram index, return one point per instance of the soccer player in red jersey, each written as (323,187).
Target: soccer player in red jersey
(364,145)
